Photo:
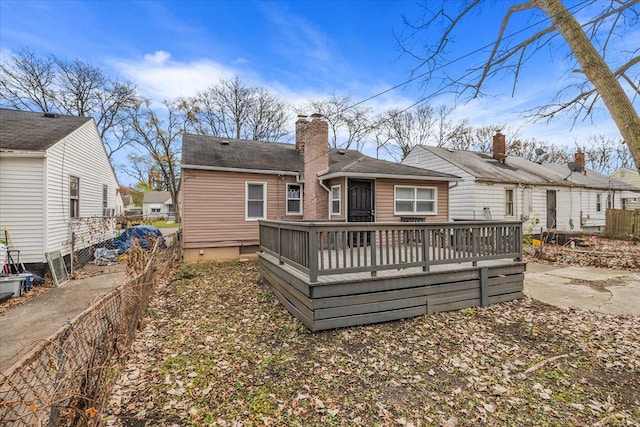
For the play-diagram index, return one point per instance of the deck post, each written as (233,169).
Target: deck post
(518,237)
(475,245)
(280,261)
(425,249)
(484,286)
(374,244)
(312,252)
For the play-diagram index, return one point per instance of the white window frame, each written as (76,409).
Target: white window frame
(74,200)
(414,200)
(289,184)
(246,200)
(598,202)
(339,200)
(506,202)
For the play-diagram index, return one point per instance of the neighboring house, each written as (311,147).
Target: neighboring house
(53,171)
(229,184)
(157,203)
(496,186)
(630,199)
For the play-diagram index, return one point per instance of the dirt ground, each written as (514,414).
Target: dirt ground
(594,252)
(219,349)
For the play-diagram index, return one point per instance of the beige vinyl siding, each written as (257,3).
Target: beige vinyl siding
(385,199)
(22,205)
(79,154)
(214,207)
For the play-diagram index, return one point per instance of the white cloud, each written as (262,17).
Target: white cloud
(159,77)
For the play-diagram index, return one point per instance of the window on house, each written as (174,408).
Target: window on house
(256,197)
(609,201)
(336,198)
(598,203)
(155,210)
(415,200)
(105,202)
(508,203)
(74,196)
(294,199)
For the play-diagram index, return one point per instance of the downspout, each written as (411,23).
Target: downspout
(327,189)
(455,184)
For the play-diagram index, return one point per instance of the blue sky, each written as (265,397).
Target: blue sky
(299,49)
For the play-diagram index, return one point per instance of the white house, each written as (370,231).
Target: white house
(543,195)
(54,171)
(157,203)
(630,199)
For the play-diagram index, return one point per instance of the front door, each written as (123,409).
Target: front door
(551,209)
(360,201)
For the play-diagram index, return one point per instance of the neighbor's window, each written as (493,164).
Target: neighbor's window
(155,210)
(294,199)
(415,200)
(508,203)
(256,196)
(335,199)
(609,201)
(598,203)
(74,196)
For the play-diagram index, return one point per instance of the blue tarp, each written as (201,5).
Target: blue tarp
(146,235)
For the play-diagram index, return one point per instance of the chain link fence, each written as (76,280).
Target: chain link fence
(66,380)
(92,238)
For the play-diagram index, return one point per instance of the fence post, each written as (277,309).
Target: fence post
(280,244)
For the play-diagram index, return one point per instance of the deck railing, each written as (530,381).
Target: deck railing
(326,248)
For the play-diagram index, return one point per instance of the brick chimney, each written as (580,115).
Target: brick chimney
(579,158)
(499,147)
(312,137)
(301,124)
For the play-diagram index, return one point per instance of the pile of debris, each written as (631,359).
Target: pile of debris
(592,251)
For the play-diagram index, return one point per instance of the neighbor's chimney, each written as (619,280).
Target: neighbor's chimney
(499,147)
(579,158)
(301,125)
(314,138)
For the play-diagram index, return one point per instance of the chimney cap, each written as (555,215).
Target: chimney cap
(317,116)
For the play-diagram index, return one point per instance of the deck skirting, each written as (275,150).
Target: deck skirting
(358,299)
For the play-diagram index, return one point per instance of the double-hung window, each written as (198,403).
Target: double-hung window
(256,200)
(294,199)
(74,196)
(336,195)
(598,203)
(508,202)
(415,200)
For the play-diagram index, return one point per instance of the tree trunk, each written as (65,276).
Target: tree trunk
(598,72)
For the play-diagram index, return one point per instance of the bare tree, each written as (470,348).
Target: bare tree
(51,84)
(160,138)
(233,110)
(589,43)
(405,129)
(349,127)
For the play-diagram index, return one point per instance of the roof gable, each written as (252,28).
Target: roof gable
(30,131)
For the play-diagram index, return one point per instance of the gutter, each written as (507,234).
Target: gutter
(391,176)
(23,154)
(240,170)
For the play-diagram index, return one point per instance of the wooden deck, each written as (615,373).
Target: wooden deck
(383,272)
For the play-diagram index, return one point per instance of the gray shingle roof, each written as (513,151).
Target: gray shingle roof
(516,170)
(156,197)
(23,130)
(226,153)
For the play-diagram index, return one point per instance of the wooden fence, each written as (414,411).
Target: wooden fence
(622,224)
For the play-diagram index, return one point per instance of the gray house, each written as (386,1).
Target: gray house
(496,186)
(157,203)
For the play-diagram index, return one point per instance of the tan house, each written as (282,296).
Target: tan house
(230,184)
